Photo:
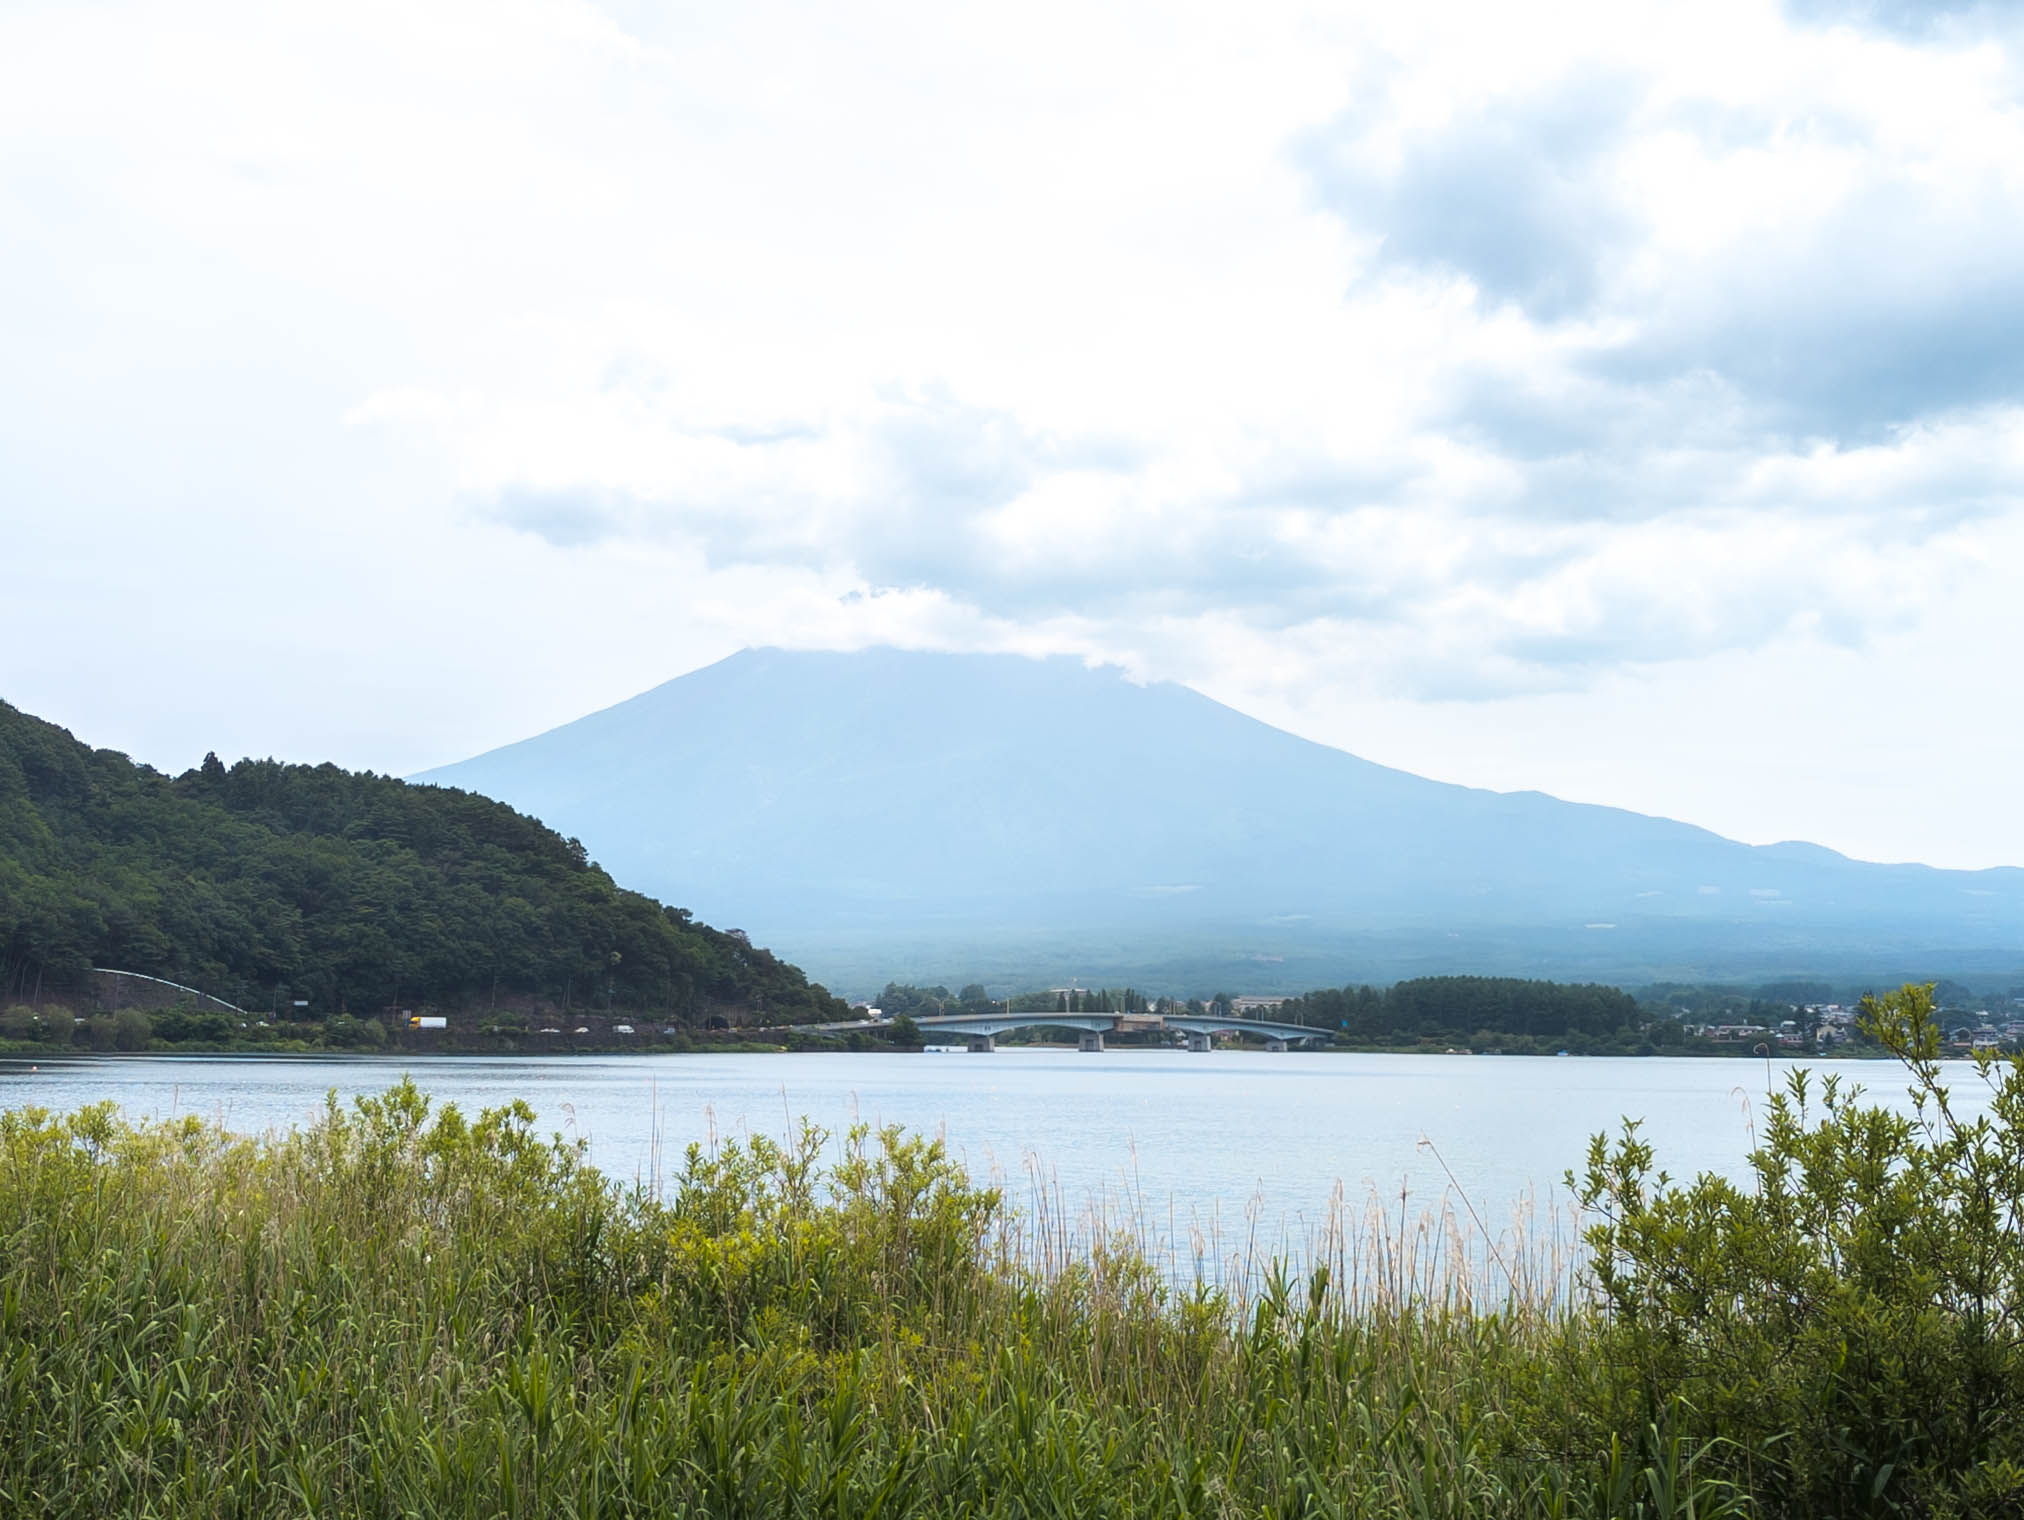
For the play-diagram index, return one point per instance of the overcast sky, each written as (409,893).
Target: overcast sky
(1620,400)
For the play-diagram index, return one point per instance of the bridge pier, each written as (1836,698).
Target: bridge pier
(1199,1040)
(1091,1040)
(1275,1045)
(982,1044)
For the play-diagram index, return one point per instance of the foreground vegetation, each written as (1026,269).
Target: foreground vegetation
(407,1311)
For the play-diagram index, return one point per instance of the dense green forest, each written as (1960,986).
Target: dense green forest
(266,883)
(1455,1007)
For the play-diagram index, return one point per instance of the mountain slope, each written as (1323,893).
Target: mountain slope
(267,882)
(886,811)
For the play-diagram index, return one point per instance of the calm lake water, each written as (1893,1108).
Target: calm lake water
(1234,1149)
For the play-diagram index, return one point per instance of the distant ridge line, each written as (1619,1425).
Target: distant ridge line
(904,815)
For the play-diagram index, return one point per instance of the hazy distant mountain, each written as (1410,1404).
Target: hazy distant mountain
(896,814)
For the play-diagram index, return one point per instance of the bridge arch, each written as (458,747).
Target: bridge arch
(982,1030)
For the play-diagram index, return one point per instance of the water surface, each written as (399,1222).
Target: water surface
(1236,1148)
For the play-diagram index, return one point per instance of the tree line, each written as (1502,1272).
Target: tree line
(1442,1007)
(1430,1007)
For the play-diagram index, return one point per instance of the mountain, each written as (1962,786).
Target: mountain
(895,814)
(265,883)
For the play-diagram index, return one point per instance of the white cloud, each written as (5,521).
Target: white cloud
(1412,360)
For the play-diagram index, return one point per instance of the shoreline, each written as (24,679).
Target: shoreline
(16,1053)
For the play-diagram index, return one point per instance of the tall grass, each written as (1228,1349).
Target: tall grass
(403,1311)
(1374,1249)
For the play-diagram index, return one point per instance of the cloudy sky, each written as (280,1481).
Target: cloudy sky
(1621,400)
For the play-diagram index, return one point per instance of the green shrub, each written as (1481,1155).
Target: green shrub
(1849,1322)
(347,1033)
(23,1023)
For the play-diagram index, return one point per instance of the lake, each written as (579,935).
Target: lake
(1211,1155)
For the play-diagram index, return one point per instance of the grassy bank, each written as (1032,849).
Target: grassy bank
(408,1311)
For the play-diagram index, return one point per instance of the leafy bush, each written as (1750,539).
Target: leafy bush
(23,1023)
(347,1033)
(1849,1322)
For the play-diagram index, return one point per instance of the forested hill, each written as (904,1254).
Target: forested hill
(353,891)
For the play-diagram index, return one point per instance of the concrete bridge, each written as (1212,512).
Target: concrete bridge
(981,1030)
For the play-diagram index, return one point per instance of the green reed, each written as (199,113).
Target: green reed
(400,1310)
